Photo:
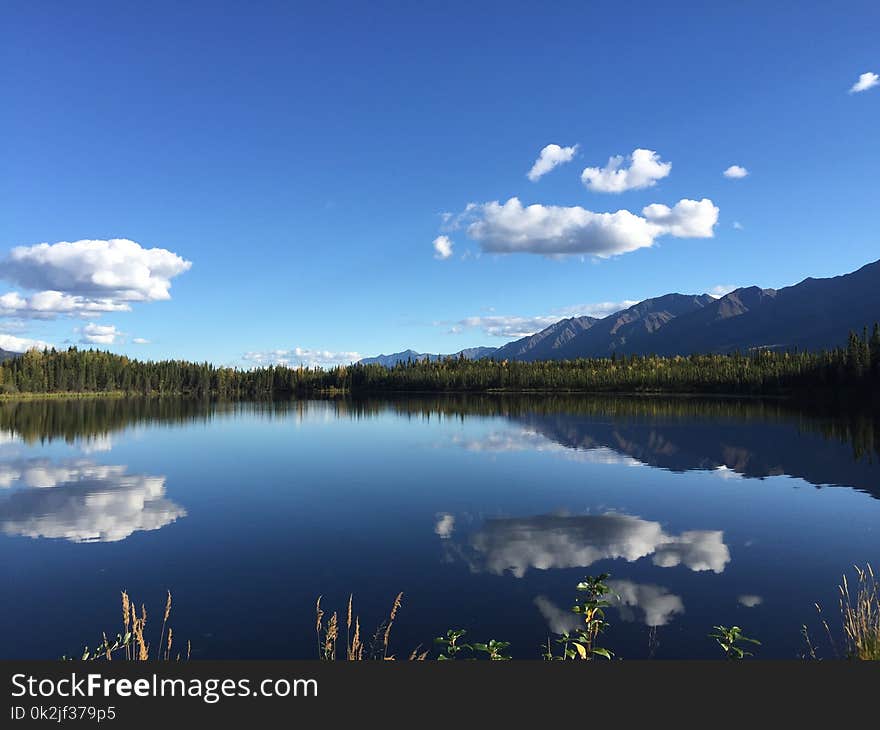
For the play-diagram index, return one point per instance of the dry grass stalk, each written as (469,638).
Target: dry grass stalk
(827,628)
(319,621)
(355,647)
(164,622)
(143,652)
(168,647)
(132,644)
(126,603)
(330,637)
(860,612)
(348,619)
(394,609)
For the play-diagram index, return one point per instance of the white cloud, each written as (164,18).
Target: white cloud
(445,525)
(686,219)
(656,604)
(737,225)
(559,621)
(442,247)
(301,356)
(508,441)
(867,80)
(85,279)
(526,439)
(644,171)
(99,334)
(96,444)
(84,502)
(117,269)
(49,304)
(41,473)
(506,326)
(140,341)
(735,172)
(554,230)
(598,309)
(719,290)
(749,601)
(562,541)
(551,156)
(454,221)
(21,344)
(500,325)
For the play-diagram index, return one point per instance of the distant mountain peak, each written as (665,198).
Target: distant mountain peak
(814,314)
(470,353)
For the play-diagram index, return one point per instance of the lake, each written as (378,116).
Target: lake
(485,511)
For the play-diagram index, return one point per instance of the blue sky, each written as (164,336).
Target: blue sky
(294,163)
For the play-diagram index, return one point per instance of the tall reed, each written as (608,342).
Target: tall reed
(355,648)
(131,644)
(860,614)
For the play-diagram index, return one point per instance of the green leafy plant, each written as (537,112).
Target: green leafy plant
(494,650)
(451,645)
(589,605)
(730,638)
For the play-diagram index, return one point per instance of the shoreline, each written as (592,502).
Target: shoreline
(337,392)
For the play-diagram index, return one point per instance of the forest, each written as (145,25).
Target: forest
(853,368)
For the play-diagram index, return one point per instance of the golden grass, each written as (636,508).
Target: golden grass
(859,616)
(859,610)
(131,644)
(355,648)
(860,613)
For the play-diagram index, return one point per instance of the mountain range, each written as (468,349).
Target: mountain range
(812,315)
(471,353)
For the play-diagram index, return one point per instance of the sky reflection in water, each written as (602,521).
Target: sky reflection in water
(485,512)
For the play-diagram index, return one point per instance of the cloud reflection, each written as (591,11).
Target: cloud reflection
(559,621)
(45,473)
(96,444)
(445,525)
(525,439)
(655,605)
(81,501)
(563,541)
(647,603)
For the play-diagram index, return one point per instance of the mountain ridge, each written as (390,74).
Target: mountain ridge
(814,314)
(469,353)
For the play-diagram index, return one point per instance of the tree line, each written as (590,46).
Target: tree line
(38,420)
(853,368)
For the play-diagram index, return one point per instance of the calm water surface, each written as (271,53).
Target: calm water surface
(484,511)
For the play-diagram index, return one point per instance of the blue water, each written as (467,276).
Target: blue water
(484,513)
